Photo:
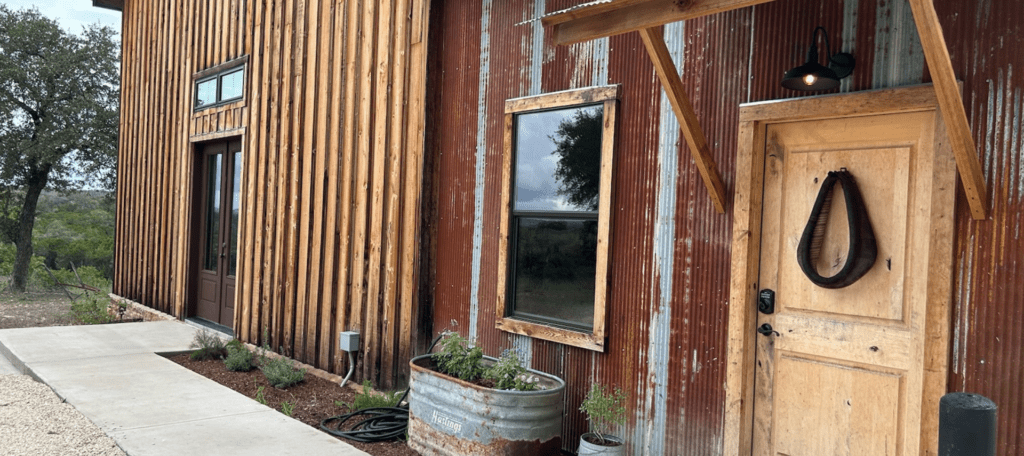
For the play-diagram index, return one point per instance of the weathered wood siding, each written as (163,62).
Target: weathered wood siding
(332,127)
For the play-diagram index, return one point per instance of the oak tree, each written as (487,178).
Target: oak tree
(58,118)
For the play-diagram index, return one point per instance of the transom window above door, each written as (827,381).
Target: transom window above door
(556,217)
(219,85)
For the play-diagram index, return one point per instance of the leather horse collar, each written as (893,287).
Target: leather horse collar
(863,248)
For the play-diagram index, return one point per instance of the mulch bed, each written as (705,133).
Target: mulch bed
(313,398)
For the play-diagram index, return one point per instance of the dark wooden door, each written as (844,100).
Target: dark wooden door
(221,165)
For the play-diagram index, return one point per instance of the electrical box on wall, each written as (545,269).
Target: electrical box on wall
(348,341)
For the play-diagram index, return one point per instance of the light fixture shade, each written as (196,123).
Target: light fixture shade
(811,76)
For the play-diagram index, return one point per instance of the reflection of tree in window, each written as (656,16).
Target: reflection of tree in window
(578,146)
(554,226)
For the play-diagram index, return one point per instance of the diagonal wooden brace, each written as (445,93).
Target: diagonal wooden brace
(952,106)
(655,42)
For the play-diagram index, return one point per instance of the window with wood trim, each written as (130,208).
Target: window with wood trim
(219,85)
(556,215)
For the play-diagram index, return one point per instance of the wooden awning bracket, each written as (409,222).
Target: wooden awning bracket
(947,91)
(654,40)
(607,18)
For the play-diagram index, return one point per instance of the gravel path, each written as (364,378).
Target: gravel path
(34,421)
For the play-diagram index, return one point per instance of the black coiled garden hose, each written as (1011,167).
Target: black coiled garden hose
(380,423)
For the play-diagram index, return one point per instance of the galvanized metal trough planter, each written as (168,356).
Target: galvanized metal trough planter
(449,416)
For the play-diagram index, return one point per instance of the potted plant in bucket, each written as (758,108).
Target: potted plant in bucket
(604,408)
(464,403)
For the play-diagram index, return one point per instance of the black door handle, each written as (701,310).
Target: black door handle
(766,330)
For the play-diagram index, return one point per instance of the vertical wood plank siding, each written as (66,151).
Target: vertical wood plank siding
(332,127)
(670,251)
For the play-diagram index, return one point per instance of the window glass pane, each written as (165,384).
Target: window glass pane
(555,265)
(206,93)
(558,159)
(231,85)
(236,192)
(212,221)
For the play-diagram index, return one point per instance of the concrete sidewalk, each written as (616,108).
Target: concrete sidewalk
(148,404)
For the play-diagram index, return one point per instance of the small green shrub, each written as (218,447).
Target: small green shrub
(369,399)
(287,408)
(509,374)
(604,409)
(91,309)
(260,397)
(458,359)
(281,372)
(239,358)
(208,346)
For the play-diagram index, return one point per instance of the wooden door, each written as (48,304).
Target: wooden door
(221,165)
(842,371)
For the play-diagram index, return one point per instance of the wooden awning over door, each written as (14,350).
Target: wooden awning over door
(613,17)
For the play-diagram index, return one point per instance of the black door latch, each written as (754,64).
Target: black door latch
(766,330)
(766,302)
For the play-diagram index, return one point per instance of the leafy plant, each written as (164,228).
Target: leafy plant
(458,358)
(208,345)
(509,374)
(369,399)
(239,358)
(260,397)
(281,372)
(92,310)
(604,408)
(287,408)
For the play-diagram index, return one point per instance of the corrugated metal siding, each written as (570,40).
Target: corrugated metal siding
(670,251)
(988,340)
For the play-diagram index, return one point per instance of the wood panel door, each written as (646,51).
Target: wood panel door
(221,170)
(842,371)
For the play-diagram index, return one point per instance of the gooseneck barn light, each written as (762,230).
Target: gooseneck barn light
(813,76)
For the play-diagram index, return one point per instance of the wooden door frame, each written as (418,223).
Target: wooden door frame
(746,248)
(194,236)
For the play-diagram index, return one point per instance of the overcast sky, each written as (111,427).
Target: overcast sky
(71,14)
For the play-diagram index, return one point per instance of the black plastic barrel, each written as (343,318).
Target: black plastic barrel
(967,425)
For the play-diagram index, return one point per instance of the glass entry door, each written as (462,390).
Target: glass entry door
(220,195)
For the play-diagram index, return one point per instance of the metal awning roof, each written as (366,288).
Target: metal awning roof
(109,4)
(603,18)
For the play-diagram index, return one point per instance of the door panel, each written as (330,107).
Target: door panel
(218,232)
(842,373)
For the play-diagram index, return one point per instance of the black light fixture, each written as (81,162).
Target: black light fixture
(813,76)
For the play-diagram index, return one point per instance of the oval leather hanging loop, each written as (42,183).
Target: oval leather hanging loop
(863,248)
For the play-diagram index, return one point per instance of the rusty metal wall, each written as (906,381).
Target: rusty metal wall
(670,252)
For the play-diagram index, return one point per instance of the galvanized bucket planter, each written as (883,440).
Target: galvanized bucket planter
(448,416)
(593,449)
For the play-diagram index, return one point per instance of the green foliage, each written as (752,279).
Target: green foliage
(369,399)
(92,309)
(508,374)
(260,397)
(239,358)
(458,359)
(208,346)
(75,228)
(6,259)
(281,372)
(58,118)
(604,408)
(287,408)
